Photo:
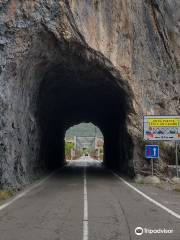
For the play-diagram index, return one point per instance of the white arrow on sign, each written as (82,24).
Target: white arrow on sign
(154,150)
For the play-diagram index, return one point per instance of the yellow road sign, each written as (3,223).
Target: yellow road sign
(162,128)
(164,122)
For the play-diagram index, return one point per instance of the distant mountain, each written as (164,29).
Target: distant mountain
(84,130)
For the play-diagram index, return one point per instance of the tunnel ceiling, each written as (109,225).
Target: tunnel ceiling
(80,91)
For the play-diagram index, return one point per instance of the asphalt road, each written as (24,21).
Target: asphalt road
(84,201)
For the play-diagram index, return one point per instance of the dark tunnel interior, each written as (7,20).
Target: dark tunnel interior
(81,91)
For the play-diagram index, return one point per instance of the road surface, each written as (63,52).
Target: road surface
(84,201)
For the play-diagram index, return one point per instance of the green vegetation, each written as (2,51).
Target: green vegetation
(5,195)
(140,181)
(83,129)
(68,147)
(177,188)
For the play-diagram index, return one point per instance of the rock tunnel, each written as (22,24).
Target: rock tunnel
(59,84)
(63,63)
(84,90)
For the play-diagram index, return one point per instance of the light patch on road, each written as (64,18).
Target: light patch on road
(148,198)
(85,219)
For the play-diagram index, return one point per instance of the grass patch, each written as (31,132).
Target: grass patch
(141,181)
(5,195)
(177,188)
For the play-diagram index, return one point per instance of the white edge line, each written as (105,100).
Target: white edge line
(22,194)
(148,198)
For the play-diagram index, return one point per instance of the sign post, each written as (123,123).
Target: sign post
(152,165)
(177,168)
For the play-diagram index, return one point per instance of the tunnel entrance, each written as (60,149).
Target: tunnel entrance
(84,140)
(83,89)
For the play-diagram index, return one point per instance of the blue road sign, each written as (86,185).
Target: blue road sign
(152,151)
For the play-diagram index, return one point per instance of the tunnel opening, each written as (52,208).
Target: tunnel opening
(84,140)
(84,89)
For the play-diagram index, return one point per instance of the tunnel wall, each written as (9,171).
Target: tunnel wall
(21,142)
(139,39)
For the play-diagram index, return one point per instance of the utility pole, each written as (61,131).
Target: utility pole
(95,138)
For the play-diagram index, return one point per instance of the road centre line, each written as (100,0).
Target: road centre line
(85,218)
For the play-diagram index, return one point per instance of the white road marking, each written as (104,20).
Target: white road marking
(22,194)
(148,198)
(85,219)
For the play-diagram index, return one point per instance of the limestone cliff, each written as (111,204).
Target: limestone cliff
(139,39)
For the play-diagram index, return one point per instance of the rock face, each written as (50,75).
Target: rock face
(141,40)
(152,180)
(135,42)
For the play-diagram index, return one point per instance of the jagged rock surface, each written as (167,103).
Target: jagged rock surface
(140,39)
